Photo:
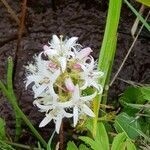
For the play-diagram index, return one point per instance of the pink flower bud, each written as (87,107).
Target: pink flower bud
(77,66)
(84,53)
(69,85)
(52,65)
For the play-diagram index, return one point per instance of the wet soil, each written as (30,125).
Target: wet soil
(85,19)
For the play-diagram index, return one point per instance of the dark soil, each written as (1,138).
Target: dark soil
(84,19)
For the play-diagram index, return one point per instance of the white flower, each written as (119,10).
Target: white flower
(43,78)
(56,114)
(61,50)
(83,53)
(54,111)
(80,104)
(90,75)
(54,81)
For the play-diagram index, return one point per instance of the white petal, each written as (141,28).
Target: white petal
(58,124)
(55,40)
(44,108)
(98,73)
(76,94)
(63,63)
(71,42)
(39,90)
(52,92)
(88,111)
(96,85)
(67,104)
(45,121)
(32,78)
(75,116)
(84,86)
(54,76)
(90,97)
(84,53)
(68,115)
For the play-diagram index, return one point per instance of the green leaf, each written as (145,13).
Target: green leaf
(130,145)
(145,2)
(50,141)
(118,140)
(101,138)
(107,53)
(71,146)
(121,142)
(83,147)
(5,146)
(2,129)
(145,92)
(130,97)
(90,142)
(127,124)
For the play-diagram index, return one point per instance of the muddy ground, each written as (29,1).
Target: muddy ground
(85,19)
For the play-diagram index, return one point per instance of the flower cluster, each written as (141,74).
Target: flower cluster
(65,81)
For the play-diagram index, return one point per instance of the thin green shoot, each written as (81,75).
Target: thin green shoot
(138,15)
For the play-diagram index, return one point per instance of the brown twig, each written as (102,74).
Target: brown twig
(20,33)
(21,25)
(61,137)
(10,10)
(129,51)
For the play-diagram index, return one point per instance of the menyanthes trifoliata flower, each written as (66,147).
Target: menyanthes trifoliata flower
(61,75)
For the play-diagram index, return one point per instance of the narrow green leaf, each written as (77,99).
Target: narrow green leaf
(5,146)
(145,92)
(2,129)
(102,136)
(118,140)
(138,15)
(83,147)
(130,145)
(71,146)
(50,141)
(90,142)
(145,2)
(39,146)
(107,53)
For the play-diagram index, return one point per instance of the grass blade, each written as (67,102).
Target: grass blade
(138,15)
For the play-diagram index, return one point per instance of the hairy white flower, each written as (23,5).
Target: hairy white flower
(54,111)
(79,104)
(61,50)
(60,79)
(56,114)
(90,75)
(43,78)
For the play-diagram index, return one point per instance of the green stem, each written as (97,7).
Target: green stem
(11,92)
(22,146)
(26,120)
(107,54)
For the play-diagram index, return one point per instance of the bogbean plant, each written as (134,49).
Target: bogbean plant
(68,84)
